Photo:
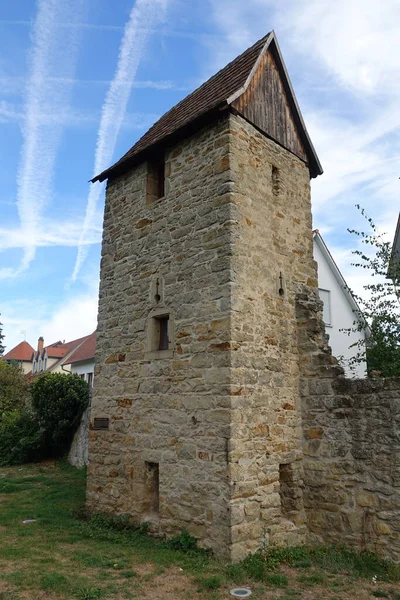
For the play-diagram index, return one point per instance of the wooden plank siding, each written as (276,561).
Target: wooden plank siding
(265,104)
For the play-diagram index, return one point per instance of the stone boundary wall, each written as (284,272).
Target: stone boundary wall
(78,455)
(351,444)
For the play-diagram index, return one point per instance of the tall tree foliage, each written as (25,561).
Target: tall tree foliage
(14,392)
(379,305)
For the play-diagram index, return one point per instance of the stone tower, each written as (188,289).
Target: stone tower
(196,420)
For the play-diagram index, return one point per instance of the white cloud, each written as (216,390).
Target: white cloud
(72,117)
(54,50)
(144,13)
(52,232)
(347,77)
(16,84)
(74,317)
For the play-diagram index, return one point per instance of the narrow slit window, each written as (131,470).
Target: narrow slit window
(155,180)
(152,488)
(275,176)
(163,339)
(160,168)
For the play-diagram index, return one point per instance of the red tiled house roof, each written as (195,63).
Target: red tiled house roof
(85,351)
(23,351)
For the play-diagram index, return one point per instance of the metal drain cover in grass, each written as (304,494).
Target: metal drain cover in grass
(240,592)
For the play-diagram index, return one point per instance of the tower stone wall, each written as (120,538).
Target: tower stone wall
(272,254)
(167,410)
(205,435)
(243,430)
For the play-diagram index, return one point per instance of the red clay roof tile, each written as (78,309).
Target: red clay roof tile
(23,351)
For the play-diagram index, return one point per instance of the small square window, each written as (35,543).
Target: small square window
(160,338)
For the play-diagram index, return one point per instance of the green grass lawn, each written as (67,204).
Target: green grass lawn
(63,556)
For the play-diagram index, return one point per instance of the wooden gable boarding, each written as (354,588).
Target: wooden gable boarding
(266,104)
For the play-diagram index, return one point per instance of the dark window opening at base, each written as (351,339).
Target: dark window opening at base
(289,490)
(151,503)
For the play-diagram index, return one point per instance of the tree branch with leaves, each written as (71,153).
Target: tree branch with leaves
(379,305)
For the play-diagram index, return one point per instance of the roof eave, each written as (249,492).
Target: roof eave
(178,134)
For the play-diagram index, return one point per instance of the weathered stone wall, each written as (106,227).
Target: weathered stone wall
(244,431)
(220,415)
(172,411)
(351,443)
(272,254)
(78,454)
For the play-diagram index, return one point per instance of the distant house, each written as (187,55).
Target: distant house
(340,309)
(54,357)
(81,360)
(76,356)
(22,353)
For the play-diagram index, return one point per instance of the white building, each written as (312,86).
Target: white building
(340,310)
(81,360)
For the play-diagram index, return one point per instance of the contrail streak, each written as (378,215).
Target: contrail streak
(53,52)
(144,16)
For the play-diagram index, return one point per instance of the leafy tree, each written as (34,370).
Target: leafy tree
(59,400)
(2,347)
(14,391)
(380,306)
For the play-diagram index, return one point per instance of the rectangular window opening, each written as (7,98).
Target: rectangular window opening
(325,296)
(275,177)
(151,501)
(156,180)
(289,490)
(90,379)
(163,341)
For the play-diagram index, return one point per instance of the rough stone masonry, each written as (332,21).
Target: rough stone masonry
(219,417)
(209,410)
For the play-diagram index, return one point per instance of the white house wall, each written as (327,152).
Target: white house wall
(83,368)
(342,317)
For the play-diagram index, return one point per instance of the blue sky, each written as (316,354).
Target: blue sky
(82,80)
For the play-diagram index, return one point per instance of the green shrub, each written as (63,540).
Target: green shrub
(21,438)
(184,542)
(59,400)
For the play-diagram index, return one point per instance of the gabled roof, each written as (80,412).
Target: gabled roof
(23,351)
(67,349)
(216,94)
(85,351)
(60,349)
(340,279)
